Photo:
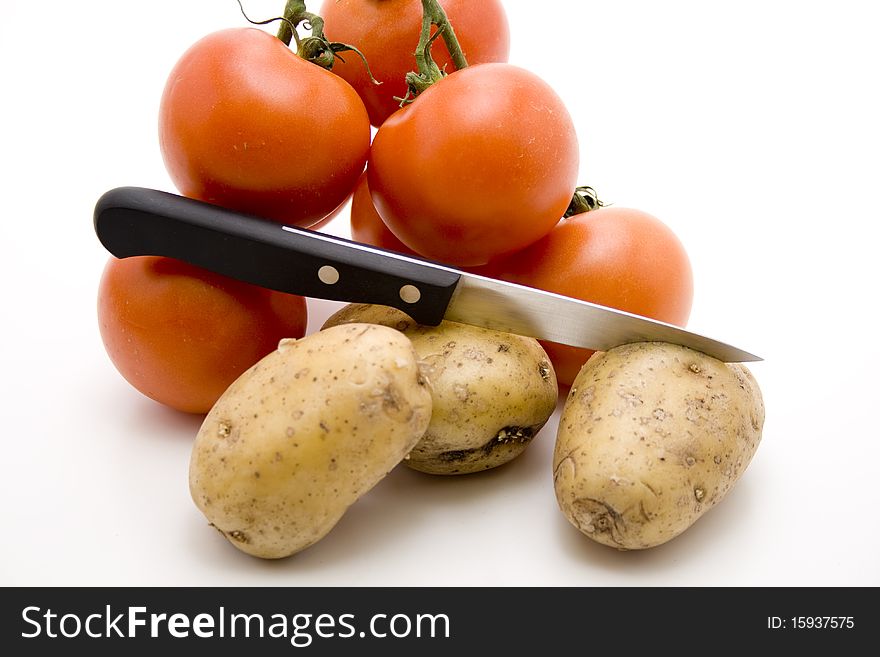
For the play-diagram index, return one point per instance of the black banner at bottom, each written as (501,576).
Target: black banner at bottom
(432,621)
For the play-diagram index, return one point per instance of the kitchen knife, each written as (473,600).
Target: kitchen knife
(135,221)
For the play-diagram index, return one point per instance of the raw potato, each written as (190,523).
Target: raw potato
(492,392)
(304,433)
(651,437)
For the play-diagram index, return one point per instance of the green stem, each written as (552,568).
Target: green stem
(424,62)
(428,71)
(316,23)
(437,15)
(314,48)
(584,200)
(293,12)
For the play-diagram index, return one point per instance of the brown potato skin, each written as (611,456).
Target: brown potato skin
(491,391)
(304,433)
(652,436)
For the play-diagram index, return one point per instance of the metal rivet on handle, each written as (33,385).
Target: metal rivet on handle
(328,275)
(410,293)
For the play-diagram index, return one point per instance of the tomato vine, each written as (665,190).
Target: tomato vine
(584,200)
(315,48)
(428,71)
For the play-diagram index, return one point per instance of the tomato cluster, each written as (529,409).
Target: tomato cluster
(473,163)
(387,33)
(480,169)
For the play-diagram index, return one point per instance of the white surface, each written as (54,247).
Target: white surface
(751,130)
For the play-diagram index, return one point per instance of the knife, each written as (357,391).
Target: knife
(135,221)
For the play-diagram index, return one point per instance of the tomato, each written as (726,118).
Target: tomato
(330,217)
(483,163)
(181,335)
(387,33)
(247,124)
(367,226)
(617,257)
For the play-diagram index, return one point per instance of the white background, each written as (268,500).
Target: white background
(750,128)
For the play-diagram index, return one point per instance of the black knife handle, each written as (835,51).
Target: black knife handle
(134,221)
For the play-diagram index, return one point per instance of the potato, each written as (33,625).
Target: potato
(304,433)
(651,437)
(492,392)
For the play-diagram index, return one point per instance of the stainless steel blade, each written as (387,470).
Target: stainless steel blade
(518,309)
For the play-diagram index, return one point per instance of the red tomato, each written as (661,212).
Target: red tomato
(330,217)
(387,33)
(483,163)
(247,124)
(181,335)
(617,257)
(367,226)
